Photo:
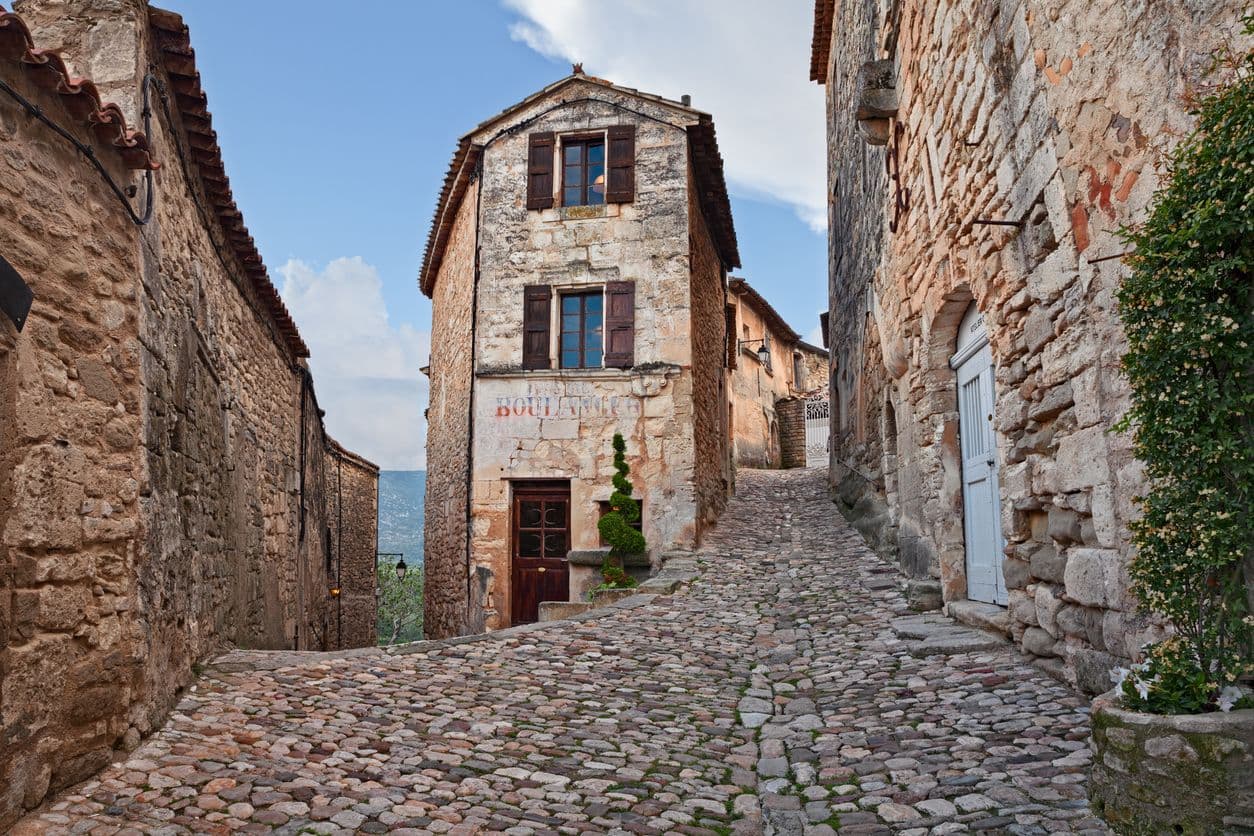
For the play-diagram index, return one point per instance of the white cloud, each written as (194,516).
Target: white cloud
(365,368)
(747,62)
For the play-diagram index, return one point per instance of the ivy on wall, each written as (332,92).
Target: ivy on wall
(1187,311)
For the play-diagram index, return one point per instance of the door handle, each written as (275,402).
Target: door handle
(542,569)
(992,461)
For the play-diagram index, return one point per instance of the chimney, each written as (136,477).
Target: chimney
(685,100)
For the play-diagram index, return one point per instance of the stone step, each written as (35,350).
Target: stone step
(933,634)
(981,616)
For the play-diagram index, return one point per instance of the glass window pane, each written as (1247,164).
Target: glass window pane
(574,153)
(570,341)
(596,152)
(570,359)
(555,514)
(592,303)
(592,343)
(595,198)
(596,174)
(555,544)
(529,514)
(529,543)
(574,176)
(592,359)
(573,197)
(570,304)
(570,322)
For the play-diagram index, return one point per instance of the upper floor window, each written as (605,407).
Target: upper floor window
(583,172)
(581,330)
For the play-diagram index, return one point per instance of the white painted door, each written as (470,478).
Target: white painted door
(981,498)
(818,430)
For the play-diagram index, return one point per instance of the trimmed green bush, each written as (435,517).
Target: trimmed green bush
(616,526)
(1188,312)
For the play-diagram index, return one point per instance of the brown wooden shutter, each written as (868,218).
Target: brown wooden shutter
(621,164)
(540,170)
(732,342)
(537,302)
(620,325)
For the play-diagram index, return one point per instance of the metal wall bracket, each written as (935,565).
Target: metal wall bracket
(15,294)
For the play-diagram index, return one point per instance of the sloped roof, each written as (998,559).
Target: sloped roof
(80,95)
(707,164)
(821,43)
(174,50)
(774,321)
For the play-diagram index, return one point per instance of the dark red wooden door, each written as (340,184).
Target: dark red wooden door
(540,541)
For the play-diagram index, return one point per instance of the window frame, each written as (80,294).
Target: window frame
(582,293)
(584,140)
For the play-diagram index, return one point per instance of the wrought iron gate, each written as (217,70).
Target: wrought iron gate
(818,429)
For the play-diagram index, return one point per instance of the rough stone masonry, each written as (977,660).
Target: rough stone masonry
(983,155)
(165,477)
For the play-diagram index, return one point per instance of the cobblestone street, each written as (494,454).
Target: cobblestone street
(770,695)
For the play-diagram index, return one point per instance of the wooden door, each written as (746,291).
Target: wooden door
(540,539)
(981,500)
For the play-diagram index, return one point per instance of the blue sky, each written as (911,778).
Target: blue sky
(337,123)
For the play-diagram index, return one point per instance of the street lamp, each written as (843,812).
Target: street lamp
(401,569)
(763,352)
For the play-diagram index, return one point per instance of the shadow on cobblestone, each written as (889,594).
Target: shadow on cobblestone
(771,695)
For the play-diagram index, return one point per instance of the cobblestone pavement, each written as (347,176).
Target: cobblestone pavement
(770,696)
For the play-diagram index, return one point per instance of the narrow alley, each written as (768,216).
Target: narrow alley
(771,695)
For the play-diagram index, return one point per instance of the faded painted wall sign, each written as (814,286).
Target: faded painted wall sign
(577,401)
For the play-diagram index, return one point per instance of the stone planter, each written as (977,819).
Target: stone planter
(1189,774)
(585,569)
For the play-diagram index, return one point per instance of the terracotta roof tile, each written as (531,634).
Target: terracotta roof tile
(174,48)
(821,44)
(80,95)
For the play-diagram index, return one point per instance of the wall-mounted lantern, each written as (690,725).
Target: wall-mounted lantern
(763,352)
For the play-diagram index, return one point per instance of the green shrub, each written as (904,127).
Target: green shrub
(1187,311)
(616,526)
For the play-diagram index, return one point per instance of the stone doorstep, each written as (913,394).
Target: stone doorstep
(933,634)
(981,616)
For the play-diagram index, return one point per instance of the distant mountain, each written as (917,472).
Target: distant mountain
(402,495)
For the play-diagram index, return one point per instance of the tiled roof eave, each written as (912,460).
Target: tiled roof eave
(172,43)
(81,97)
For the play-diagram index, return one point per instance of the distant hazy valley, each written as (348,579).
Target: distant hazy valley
(401,496)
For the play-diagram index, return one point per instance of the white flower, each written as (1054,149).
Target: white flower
(1118,675)
(1229,696)
(1142,689)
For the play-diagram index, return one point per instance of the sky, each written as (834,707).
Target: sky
(337,123)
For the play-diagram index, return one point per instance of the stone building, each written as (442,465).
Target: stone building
(982,157)
(165,478)
(577,268)
(792,369)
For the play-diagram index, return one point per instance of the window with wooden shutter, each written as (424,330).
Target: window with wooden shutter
(540,170)
(732,343)
(621,164)
(537,300)
(620,325)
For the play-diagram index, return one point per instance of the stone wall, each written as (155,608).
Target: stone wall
(558,424)
(161,487)
(713,475)
(352,487)
(1050,119)
(792,432)
(445,526)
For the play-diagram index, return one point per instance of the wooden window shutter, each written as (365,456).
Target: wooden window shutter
(621,164)
(540,170)
(537,302)
(620,325)
(732,342)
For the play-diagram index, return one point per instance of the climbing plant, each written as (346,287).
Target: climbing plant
(1188,311)
(616,526)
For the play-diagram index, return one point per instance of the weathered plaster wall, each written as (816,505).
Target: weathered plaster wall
(756,389)
(448,432)
(1054,116)
(353,521)
(553,423)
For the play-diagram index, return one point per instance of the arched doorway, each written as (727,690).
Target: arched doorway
(981,495)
